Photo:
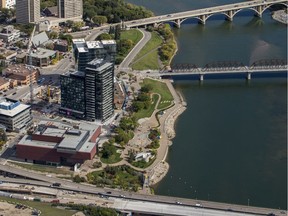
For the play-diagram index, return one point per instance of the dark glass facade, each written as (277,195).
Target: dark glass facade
(99,82)
(73,94)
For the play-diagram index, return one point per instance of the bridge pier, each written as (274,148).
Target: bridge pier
(248,76)
(178,23)
(201,78)
(229,16)
(202,19)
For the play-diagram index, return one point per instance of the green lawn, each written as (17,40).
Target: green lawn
(147,112)
(147,58)
(132,34)
(43,168)
(162,89)
(142,164)
(112,159)
(45,208)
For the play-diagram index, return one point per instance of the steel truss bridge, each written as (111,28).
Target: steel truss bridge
(227,67)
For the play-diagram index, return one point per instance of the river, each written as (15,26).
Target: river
(231,142)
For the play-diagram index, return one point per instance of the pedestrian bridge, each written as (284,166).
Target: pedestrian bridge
(229,10)
(226,67)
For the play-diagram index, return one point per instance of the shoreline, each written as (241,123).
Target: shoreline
(280,16)
(161,169)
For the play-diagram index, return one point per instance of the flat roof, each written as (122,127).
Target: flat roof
(79,40)
(71,141)
(105,42)
(43,53)
(94,44)
(19,69)
(74,139)
(21,107)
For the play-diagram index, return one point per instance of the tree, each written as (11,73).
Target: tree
(77,26)
(117,32)
(108,150)
(146,88)
(49,46)
(69,23)
(99,20)
(104,36)
(53,35)
(137,105)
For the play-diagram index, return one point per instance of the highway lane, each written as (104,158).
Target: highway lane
(170,209)
(136,49)
(91,189)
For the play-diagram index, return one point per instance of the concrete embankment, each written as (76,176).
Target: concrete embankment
(280,16)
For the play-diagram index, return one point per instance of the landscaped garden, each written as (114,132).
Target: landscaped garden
(123,177)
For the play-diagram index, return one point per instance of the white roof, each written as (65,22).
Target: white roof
(14,111)
(94,44)
(105,42)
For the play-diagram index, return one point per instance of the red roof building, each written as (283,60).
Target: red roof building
(56,144)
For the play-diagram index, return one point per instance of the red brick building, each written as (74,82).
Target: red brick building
(59,145)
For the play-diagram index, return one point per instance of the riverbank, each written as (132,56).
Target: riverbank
(167,125)
(280,16)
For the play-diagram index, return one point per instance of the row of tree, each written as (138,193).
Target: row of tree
(168,48)
(143,100)
(114,10)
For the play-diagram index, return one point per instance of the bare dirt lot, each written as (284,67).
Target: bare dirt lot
(11,210)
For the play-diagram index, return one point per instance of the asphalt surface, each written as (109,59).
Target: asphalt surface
(90,189)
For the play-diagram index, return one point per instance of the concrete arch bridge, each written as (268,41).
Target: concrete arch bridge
(229,10)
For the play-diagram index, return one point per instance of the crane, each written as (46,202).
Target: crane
(30,64)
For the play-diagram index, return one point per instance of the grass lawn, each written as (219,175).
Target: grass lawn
(143,164)
(45,208)
(147,112)
(147,58)
(112,159)
(43,168)
(162,89)
(132,34)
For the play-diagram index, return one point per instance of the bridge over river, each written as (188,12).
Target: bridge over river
(229,11)
(226,67)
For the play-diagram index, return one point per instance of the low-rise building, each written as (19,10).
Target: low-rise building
(42,57)
(14,115)
(61,45)
(4,84)
(55,144)
(8,33)
(6,56)
(22,73)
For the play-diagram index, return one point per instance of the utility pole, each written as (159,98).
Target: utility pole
(30,64)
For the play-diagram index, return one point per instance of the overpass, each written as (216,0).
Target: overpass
(229,11)
(180,203)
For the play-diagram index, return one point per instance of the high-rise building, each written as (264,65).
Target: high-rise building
(99,91)
(70,8)
(27,11)
(89,95)
(73,94)
(7,3)
(86,51)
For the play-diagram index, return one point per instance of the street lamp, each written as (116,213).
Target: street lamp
(248,201)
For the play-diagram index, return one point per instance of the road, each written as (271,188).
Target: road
(90,189)
(136,49)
